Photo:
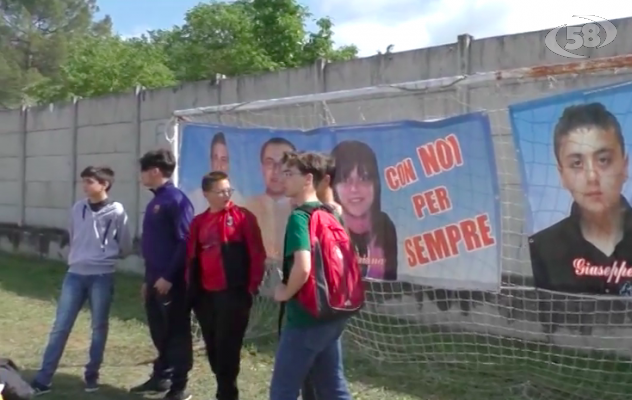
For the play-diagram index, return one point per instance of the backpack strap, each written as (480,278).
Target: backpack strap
(281,317)
(310,209)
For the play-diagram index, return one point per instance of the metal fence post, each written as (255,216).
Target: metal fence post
(23,132)
(464,55)
(74,149)
(321,109)
(137,153)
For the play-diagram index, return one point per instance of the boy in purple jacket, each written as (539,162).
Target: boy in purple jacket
(165,231)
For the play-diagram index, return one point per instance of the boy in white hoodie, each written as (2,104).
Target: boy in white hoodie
(99,236)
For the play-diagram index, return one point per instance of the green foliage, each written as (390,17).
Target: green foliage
(320,45)
(247,37)
(35,38)
(53,50)
(101,65)
(215,38)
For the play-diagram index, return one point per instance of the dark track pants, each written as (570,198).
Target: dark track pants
(308,391)
(170,328)
(223,317)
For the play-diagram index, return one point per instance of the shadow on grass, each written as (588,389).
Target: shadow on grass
(70,387)
(406,379)
(435,362)
(41,279)
(372,375)
(448,365)
(432,364)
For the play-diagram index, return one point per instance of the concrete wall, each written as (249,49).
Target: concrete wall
(42,150)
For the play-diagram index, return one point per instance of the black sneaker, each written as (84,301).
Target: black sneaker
(91,385)
(177,395)
(39,388)
(153,385)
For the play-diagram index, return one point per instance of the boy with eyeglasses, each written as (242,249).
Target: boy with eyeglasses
(226,264)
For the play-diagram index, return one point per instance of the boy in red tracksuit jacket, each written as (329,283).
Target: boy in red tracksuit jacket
(226,263)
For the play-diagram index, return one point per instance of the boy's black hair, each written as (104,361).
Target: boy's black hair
(210,179)
(585,115)
(162,159)
(104,175)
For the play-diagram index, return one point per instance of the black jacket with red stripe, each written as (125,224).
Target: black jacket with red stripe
(225,250)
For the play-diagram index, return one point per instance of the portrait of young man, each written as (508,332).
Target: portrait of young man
(219,161)
(272,208)
(590,251)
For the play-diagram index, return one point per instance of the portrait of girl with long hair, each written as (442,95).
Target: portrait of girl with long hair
(357,189)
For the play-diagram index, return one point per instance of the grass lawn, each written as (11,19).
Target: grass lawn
(432,364)
(28,291)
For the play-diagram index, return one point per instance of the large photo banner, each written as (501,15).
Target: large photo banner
(420,199)
(573,151)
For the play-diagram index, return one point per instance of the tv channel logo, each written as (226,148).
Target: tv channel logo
(597,33)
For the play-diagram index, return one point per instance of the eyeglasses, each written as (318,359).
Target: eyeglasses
(225,192)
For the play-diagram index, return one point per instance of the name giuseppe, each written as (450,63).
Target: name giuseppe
(613,273)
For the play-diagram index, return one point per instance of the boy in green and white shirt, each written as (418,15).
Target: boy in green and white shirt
(304,338)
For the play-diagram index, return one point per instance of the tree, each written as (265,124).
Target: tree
(101,65)
(279,26)
(53,50)
(11,76)
(35,37)
(246,37)
(216,38)
(320,45)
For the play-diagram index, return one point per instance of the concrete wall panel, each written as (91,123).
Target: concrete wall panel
(12,122)
(110,109)
(110,138)
(49,142)
(55,116)
(9,214)
(9,169)
(9,193)
(124,164)
(49,168)
(10,144)
(46,216)
(53,194)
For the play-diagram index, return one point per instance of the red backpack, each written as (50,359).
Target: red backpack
(334,288)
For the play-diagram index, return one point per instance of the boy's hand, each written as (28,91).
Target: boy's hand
(162,286)
(280,293)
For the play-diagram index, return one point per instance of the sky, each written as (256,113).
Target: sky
(373,25)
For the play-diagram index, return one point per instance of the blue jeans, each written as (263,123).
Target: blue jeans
(98,291)
(315,351)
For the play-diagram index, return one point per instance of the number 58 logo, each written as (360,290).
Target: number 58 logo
(596,34)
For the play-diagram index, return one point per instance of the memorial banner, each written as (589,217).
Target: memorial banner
(420,199)
(573,151)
